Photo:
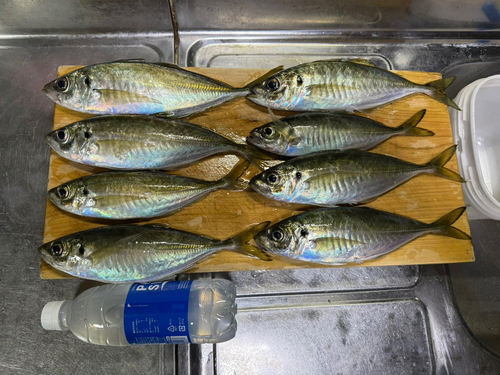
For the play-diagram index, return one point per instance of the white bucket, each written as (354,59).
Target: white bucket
(476,130)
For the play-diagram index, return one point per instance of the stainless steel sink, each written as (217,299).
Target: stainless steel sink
(385,320)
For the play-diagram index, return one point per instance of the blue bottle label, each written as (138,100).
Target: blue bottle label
(157,313)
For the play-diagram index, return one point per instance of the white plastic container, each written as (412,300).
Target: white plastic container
(476,130)
(173,312)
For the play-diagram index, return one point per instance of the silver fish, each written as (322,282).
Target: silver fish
(142,142)
(129,195)
(137,87)
(343,177)
(306,133)
(129,253)
(341,235)
(340,85)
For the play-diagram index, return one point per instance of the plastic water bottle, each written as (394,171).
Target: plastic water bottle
(172,312)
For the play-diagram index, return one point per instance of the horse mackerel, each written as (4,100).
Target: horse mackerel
(143,253)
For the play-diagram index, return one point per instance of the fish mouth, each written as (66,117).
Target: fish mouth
(51,93)
(262,241)
(260,186)
(52,195)
(253,97)
(253,139)
(49,138)
(43,251)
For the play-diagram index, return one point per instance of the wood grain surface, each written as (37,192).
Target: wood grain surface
(225,213)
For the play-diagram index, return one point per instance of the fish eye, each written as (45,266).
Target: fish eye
(299,81)
(87,134)
(273,178)
(57,249)
(85,191)
(298,175)
(63,192)
(86,80)
(61,136)
(268,131)
(62,84)
(277,235)
(273,84)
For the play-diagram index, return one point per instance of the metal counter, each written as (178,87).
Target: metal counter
(385,320)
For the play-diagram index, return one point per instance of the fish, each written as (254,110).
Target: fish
(330,178)
(335,85)
(127,142)
(306,133)
(341,235)
(137,87)
(139,253)
(135,195)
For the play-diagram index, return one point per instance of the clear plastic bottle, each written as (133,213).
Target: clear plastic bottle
(104,315)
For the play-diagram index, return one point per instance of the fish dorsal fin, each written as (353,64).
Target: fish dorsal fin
(359,61)
(287,130)
(362,62)
(168,65)
(164,115)
(129,61)
(193,74)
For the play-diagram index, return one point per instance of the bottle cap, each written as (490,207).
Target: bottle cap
(50,316)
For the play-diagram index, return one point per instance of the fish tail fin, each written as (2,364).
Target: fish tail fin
(232,180)
(443,225)
(248,86)
(239,244)
(409,126)
(256,156)
(437,165)
(436,91)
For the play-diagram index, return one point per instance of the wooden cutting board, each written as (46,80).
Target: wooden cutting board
(225,213)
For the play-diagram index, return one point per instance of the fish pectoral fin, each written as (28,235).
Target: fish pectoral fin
(112,248)
(112,96)
(316,182)
(327,244)
(327,205)
(287,130)
(157,225)
(118,200)
(319,89)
